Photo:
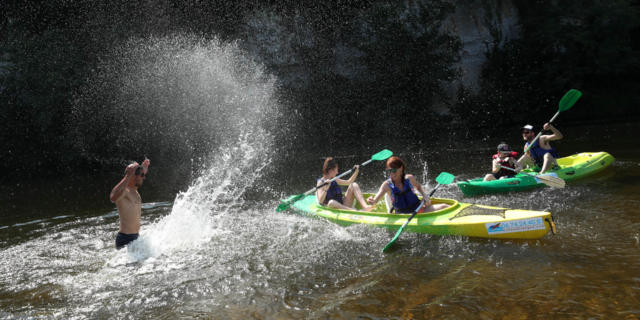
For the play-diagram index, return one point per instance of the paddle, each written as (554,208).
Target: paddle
(286,203)
(443,178)
(567,101)
(551,181)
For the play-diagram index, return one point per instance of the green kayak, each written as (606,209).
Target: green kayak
(569,168)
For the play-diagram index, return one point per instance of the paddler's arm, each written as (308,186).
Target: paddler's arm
(383,189)
(321,193)
(418,186)
(524,155)
(495,166)
(119,189)
(516,164)
(356,170)
(557,135)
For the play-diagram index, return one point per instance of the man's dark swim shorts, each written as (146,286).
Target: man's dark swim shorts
(122,239)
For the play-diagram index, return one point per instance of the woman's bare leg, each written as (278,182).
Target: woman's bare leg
(436,207)
(337,205)
(354,192)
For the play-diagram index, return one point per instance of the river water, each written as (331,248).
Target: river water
(218,249)
(204,254)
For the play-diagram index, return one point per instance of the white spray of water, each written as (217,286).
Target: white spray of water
(197,212)
(201,93)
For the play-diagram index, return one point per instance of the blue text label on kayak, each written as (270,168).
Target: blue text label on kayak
(515,226)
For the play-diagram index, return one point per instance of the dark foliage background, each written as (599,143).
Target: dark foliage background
(50,49)
(588,45)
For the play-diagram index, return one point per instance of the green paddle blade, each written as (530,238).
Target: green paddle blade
(569,99)
(445,178)
(286,203)
(390,244)
(382,155)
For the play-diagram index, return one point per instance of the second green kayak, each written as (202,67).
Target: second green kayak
(569,168)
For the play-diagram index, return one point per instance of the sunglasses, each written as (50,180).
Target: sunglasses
(139,172)
(526,131)
(392,170)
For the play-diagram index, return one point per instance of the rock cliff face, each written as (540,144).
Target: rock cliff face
(281,41)
(480,27)
(276,41)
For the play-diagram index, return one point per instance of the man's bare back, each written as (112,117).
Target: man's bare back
(126,197)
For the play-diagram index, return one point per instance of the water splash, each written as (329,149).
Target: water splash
(175,98)
(197,213)
(199,104)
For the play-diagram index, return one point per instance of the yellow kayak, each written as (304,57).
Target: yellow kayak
(462,219)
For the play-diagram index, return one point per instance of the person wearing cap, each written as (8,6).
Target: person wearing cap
(503,158)
(541,154)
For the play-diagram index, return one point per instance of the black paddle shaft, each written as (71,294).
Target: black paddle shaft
(424,201)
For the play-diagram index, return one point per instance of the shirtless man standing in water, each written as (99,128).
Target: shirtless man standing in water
(126,197)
